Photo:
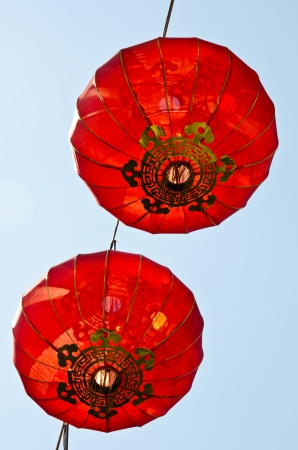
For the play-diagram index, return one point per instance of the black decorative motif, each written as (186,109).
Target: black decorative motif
(107,356)
(195,165)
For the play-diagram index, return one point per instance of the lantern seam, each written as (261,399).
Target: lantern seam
(165,84)
(32,357)
(54,309)
(122,407)
(130,87)
(179,376)
(126,204)
(37,332)
(139,220)
(229,206)
(102,140)
(209,218)
(223,87)
(109,112)
(131,305)
(151,415)
(195,81)
(182,351)
(77,295)
(256,138)
(257,162)
(165,301)
(104,290)
(106,166)
(177,328)
(243,118)
(160,223)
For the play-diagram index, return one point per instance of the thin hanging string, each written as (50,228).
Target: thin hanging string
(168,18)
(113,241)
(64,432)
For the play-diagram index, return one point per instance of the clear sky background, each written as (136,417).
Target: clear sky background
(243,273)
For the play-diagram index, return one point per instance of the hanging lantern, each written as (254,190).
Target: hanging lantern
(107,341)
(174,135)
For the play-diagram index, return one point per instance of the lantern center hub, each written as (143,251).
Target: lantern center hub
(178,177)
(106,380)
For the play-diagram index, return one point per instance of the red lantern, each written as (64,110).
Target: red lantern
(174,135)
(107,341)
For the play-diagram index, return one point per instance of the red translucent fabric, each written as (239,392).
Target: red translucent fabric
(172,83)
(127,295)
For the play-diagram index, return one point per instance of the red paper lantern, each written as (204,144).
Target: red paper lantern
(107,341)
(174,135)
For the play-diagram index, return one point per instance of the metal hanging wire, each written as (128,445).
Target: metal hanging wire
(63,433)
(113,241)
(168,18)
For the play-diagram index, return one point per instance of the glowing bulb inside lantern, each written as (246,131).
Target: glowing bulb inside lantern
(159,321)
(178,176)
(105,378)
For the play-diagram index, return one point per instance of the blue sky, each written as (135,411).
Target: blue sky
(243,273)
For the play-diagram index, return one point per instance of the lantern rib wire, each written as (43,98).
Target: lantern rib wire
(182,351)
(178,376)
(165,85)
(237,208)
(168,18)
(162,306)
(32,357)
(130,306)
(77,296)
(37,332)
(54,309)
(255,139)
(209,218)
(145,412)
(130,88)
(109,112)
(160,223)
(139,219)
(109,166)
(102,140)
(130,418)
(243,118)
(65,411)
(177,328)
(195,82)
(107,187)
(222,89)
(257,162)
(126,204)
